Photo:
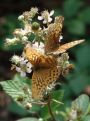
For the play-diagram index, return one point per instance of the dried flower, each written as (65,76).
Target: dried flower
(34,11)
(46,16)
(28,106)
(73,115)
(28,15)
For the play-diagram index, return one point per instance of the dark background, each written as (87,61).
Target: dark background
(76,26)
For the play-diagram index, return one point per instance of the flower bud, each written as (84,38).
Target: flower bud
(35,26)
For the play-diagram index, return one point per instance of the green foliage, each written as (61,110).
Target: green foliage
(56,95)
(17,89)
(71,7)
(76,25)
(79,110)
(77,18)
(81,106)
(8,25)
(28,119)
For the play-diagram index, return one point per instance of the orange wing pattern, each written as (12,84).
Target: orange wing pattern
(53,33)
(65,47)
(41,79)
(45,71)
(38,59)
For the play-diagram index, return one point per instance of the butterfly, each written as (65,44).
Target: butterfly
(45,66)
(45,69)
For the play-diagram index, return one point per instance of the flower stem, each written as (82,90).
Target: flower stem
(49,108)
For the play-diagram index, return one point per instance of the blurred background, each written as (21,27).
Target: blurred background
(76,26)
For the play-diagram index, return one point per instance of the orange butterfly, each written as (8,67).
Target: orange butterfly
(45,71)
(45,66)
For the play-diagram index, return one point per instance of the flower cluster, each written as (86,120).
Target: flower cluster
(21,65)
(23,36)
(30,27)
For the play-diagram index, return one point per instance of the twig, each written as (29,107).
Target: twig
(49,108)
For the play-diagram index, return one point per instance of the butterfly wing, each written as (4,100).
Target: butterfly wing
(41,79)
(38,59)
(65,47)
(53,33)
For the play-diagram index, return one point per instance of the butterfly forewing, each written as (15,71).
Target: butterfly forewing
(53,33)
(38,59)
(65,47)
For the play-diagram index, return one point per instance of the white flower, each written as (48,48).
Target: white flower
(22,65)
(61,37)
(22,73)
(46,16)
(21,17)
(29,66)
(38,46)
(16,59)
(24,39)
(11,41)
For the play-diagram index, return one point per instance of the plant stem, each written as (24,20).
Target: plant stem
(49,108)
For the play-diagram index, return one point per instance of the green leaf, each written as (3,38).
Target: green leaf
(76,27)
(71,7)
(18,89)
(86,118)
(81,104)
(28,119)
(15,108)
(57,95)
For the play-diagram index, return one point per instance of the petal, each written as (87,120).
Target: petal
(29,70)
(41,45)
(40,18)
(22,62)
(23,74)
(61,37)
(44,22)
(29,65)
(35,45)
(52,12)
(50,19)
(18,69)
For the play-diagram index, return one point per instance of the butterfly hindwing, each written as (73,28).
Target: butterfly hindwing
(41,79)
